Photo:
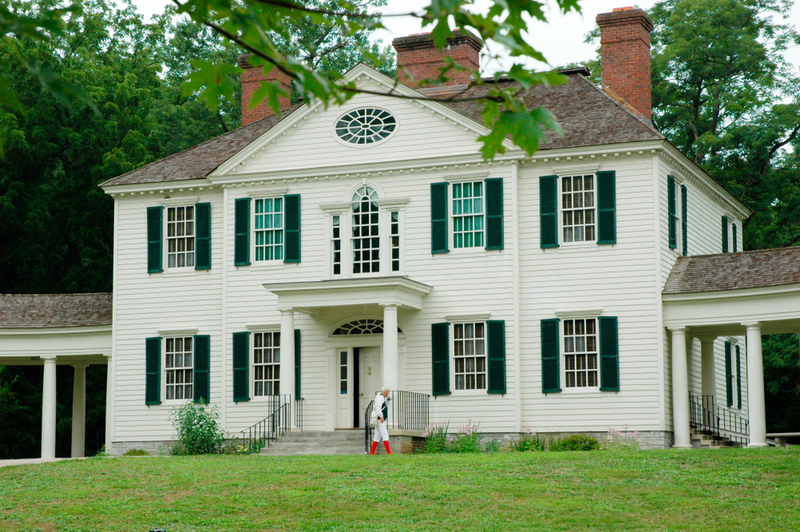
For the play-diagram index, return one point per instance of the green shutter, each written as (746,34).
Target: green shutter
(202,236)
(439,218)
(684,220)
(292,227)
(154,235)
(494,213)
(496,340)
(607,207)
(728,373)
(152,370)
(609,354)
(202,366)
(241,366)
(550,356)
(548,211)
(440,348)
(297,394)
(738,378)
(733,237)
(672,214)
(725,236)
(241,248)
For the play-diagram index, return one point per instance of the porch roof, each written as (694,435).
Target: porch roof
(37,311)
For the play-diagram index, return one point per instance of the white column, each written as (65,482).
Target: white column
(287,357)
(756,406)
(49,408)
(680,390)
(79,411)
(708,367)
(391,363)
(110,403)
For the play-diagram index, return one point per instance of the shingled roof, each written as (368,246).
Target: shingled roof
(734,271)
(588,115)
(37,311)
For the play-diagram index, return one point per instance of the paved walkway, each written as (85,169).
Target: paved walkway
(23,461)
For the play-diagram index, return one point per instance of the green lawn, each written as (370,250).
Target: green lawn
(725,490)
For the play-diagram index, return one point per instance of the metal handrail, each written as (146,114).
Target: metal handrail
(407,411)
(267,430)
(716,421)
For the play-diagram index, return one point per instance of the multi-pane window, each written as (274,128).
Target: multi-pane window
(266,363)
(469,353)
(580,353)
(395,233)
(366,231)
(180,237)
(268,228)
(336,241)
(468,214)
(179,368)
(343,372)
(578,208)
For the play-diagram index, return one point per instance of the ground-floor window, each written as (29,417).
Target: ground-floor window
(469,353)
(580,353)
(179,368)
(266,363)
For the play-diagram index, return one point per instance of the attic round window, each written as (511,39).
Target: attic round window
(365,126)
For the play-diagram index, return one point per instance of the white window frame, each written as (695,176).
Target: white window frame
(275,230)
(183,368)
(176,203)
(585,317)
(460,179)
(561,211)
(731,223)
(253,365)
(461,321)
(386,206)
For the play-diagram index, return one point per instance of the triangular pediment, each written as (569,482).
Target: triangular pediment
(311,137)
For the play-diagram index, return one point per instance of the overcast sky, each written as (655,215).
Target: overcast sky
(560,39)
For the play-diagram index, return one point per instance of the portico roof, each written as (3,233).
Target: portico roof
(312,296)
(719,295)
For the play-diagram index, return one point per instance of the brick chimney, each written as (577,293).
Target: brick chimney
(418,58)
(625,56)
(251,80)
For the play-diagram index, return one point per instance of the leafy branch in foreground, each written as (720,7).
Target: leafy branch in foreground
(263,27)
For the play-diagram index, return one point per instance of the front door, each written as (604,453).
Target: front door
(370,378)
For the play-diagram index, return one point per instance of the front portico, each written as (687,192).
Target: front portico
(734,294)
(349,299)
(58,329)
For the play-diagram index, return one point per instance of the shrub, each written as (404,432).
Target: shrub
(529,441)
(436,438)
(576,442)
(467,440)
(197,428)
(136,452)
(622,440)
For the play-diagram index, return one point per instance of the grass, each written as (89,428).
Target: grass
(734,489)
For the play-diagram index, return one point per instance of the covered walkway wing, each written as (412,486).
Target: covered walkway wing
(47,330)
(732,294)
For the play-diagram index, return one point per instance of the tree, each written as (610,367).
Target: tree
(724,94)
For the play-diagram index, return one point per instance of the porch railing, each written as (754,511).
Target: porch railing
(254,438)
(407,411)
(717,422)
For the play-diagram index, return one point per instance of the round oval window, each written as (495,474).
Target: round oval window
(365,126)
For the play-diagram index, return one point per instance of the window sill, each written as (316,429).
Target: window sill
(469,393)
(592,393)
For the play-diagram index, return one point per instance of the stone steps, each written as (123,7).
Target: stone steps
(338,442)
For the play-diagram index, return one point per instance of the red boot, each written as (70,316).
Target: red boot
(374,446)
(385,444)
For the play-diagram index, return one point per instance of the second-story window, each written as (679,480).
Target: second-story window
(468,215)
(268,229)
(366,231)
(180,237)
(577,208)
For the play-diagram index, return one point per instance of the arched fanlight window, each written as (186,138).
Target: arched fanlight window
(362,326)
(366,240)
